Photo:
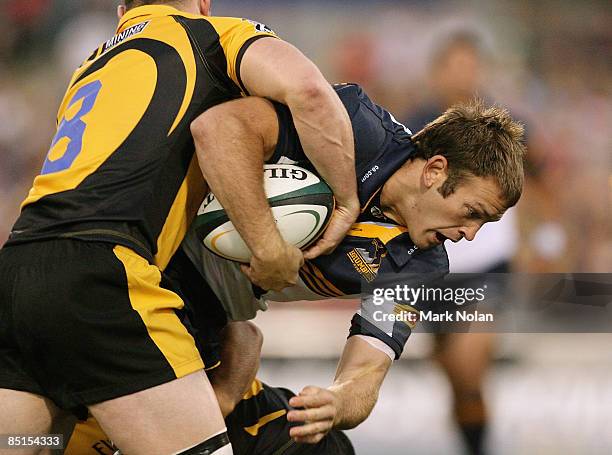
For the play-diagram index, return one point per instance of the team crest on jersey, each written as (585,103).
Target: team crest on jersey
(127,33)
(261,28)
(367,260)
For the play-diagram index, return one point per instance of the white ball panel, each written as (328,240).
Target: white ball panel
(298,224)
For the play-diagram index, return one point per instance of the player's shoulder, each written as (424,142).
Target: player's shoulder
(360,105)
(351,95)
(394,242)
(227,24)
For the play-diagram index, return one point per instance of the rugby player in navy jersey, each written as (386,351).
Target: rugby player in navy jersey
(416,191)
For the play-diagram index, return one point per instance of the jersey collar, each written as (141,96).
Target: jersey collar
(146,11)
(401,249)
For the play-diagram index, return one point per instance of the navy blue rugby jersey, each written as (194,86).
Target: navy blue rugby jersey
(374,246)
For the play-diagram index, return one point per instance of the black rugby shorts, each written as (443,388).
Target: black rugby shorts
(84,322)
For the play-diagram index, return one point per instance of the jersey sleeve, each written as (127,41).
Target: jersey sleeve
(235,36)
(368,322)
(288,147)
(375,129)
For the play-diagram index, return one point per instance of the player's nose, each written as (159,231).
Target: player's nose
(469,232)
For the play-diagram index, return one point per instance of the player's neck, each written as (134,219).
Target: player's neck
(186,6)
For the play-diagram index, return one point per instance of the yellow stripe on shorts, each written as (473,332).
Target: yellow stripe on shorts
(156,307)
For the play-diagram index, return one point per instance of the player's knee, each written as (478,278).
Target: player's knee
(218,444)
(244,334)
(255,333)
(224,120)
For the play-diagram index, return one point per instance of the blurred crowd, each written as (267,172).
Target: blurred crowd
(547,61)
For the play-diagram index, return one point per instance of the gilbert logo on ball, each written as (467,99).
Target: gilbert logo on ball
(302,205)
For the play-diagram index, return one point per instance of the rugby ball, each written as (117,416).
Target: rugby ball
(301,203)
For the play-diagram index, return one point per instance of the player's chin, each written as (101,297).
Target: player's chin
(426,241)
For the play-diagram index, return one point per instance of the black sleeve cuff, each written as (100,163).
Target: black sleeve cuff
(361,326)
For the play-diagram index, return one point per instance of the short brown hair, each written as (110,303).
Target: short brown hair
(476,141)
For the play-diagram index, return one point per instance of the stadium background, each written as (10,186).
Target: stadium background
(549,61)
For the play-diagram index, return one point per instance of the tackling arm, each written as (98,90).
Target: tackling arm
(275,69)
(232,141)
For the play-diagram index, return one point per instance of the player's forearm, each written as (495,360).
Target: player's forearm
(357,397)
(241,347)
(331,150)
(360,374)
(231,152)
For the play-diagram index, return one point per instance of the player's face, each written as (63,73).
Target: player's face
(431,218)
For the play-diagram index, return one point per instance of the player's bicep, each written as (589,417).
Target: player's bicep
(273,69)
(236,36)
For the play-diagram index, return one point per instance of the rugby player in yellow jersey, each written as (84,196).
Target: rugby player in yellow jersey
(116,193)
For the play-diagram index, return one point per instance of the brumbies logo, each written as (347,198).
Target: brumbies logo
(128,32)
(367,261)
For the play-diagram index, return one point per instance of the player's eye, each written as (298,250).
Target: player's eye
(472,213)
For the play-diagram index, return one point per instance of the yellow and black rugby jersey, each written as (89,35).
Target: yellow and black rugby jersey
(122,167)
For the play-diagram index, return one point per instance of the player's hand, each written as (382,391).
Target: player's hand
(276,268)
(321,408)
(342,219)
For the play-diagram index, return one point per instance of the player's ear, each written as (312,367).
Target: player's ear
(435,170)
(205,7)
(120,11)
